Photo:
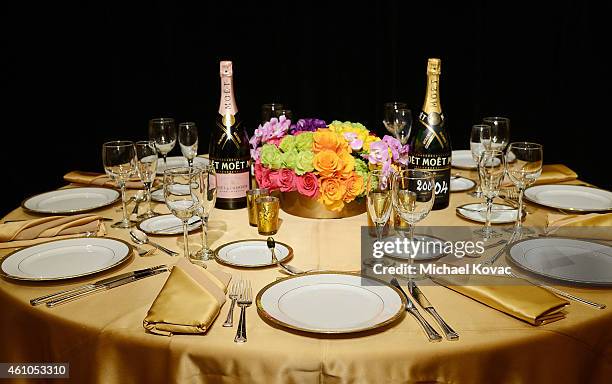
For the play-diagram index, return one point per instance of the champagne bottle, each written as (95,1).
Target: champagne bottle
(430,147)
(229,150)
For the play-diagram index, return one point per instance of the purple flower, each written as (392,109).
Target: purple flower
(394,145)
(379,153)
(310,125)
(353,140)
(275,129)
(403,154)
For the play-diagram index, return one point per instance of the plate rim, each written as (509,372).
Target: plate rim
(466,189)
(73,211)
(263,313)
(182,157)
(476,221)
(556,278)
(224,262)
(162,234)
(119,262)
(563,208)
(461,166)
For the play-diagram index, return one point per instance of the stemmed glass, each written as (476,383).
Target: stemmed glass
(285,112)
(481,135)
(163,132)
(413,197)
(397,118)
(207,194)
(181,195)
(269,111)
(500,132)
(378,193)
(523,171)
(491,171)
(188,141)
(119,161)
(146,163)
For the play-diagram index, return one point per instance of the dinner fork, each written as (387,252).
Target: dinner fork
(233,294)
(245,299)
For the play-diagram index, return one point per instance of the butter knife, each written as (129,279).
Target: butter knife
(103,287)
(87,287)
(432,334)
(423,302)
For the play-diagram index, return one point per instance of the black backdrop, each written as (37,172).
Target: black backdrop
(79,75)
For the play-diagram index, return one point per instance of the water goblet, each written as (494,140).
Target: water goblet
(119,161)
(500,132)
(397,119)
(480,136)
(188,141)
(491,171)
(269,111)
(146,164)
(523,171)
(163,131)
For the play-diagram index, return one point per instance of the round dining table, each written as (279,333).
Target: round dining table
(102,337)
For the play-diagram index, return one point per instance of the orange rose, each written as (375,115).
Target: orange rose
(327,162)
(348,164)
(326,139)
(332,191)
(354,187)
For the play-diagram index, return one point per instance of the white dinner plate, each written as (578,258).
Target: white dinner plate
(178,161)
(500,213)
(460,184)
(167,225)
(565,259)
(462,159)
(570,197)
(330,302)
(251,253)
(178,189)
(431,248)
(71,200)
(65,259)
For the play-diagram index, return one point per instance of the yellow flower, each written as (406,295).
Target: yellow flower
(326,139)
(348,163)
(327,162)
(369,140)
(332,191)
(354,187)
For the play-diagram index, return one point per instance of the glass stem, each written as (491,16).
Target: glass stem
(148,197)
(190,163)
(487,227)
(204,233)
(126,218)
(186,241)
(519,211)
(379,230)
(412,255)
(165,161)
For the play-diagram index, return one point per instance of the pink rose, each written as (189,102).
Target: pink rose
(287,180)
(273,180)
(308,185)
(261,174)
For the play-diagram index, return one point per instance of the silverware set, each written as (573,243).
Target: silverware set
(244,300)
(141,238)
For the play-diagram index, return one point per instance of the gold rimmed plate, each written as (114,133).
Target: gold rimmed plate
(252,253)
(71,200)
(330,302)
(65,259)
(500,213)
(573,198)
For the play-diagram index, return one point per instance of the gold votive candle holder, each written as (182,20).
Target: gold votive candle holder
(252,195)
(267,215)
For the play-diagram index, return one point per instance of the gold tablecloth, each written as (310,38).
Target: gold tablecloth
(103,339)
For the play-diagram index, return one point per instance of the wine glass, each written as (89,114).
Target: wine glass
(481,134)
(397,118)
(181,186)
(188,141)
(523,171)
(500,132)
(285,112)
(491,171)
(378,193)
(413,197)
(119,161)
(269,111)
(163,132)
(207,194)
(146,164)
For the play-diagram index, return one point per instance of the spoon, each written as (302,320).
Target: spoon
(139,237)
(287,268)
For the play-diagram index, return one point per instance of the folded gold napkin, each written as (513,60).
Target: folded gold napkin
(99,179)
(30,232)
(515,297)
(189,302)
(592,225)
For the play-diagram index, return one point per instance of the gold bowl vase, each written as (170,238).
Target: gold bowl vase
(299,205)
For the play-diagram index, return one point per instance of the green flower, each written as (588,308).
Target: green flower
(271,156)
(303,141)
(303,162)
(287,143)
(289,158)
(361,168)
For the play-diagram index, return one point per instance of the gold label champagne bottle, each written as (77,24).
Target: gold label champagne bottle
(229,150)
(430,147)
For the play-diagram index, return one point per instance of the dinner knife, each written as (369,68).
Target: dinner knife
(87,287)
(423,302)
(103,287)
(432,334)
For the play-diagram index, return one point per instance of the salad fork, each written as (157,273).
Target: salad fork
(245,299)
(233,294)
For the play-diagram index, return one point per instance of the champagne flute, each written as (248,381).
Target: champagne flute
(163,132)
(207,194)
(413,197)
(500,132)
(188,141)
(397,118)
(479,138)
(269,111)
(491,171)
(523,171)
(146,163)
(378,193)
(181,195)
(119,161)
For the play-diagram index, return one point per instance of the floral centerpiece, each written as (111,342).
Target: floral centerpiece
(325,163)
